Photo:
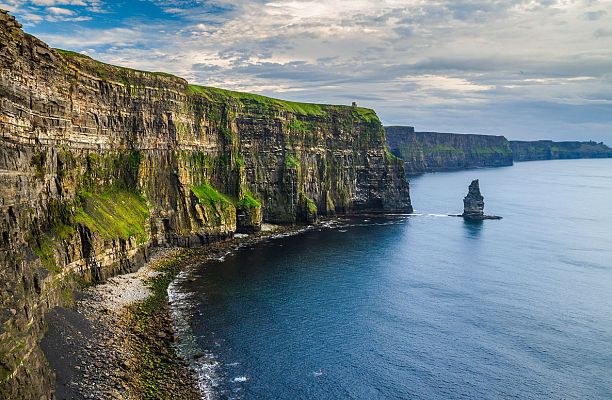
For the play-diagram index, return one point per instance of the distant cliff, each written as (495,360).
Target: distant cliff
(433,151)
(98,163)
(549,150)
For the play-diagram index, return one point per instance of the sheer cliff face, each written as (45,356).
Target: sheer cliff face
(549,150)
(433,151)
(98,163)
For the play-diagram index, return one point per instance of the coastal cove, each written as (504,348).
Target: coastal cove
(118,340)
(420,306)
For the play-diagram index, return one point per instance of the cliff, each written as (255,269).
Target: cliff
(473,204)
(549,150)
(433,151)
(98,163)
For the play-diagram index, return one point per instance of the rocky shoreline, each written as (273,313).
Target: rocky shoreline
(117,340)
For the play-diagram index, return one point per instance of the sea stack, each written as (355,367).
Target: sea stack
(473,204)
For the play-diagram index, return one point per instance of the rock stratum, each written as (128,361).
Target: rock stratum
(549,150)
(433,151)
(99,163)
(473,204)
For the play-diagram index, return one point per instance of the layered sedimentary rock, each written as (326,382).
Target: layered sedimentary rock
(549,150)
(433,151)
(473,202)
(99,163)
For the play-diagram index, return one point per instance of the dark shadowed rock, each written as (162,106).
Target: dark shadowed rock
(435,151)
(473,204)
(549,150)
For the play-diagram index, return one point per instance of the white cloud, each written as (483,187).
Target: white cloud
(558,81)
(83,39)
(48,3)
(446,83)
(60,11)
(10,5)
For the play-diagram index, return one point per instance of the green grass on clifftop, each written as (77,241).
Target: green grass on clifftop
(126,75)
(308,109)
(492,150)
(123,74)
(294,107)
(114,214)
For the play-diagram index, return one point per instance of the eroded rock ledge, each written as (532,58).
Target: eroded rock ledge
(99,163)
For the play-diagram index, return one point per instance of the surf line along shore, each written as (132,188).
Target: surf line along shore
(117,340)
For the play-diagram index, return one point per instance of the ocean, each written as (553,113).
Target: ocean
(422,306)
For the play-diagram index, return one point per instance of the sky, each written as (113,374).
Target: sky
(524,69)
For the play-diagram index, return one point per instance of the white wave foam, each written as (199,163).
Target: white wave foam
(204,364)
(428,215)
(222,258)
(240,379)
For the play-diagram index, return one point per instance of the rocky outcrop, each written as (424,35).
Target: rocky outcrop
(98,163)
(473,204)
(248,215)
(433,151)
(549,150)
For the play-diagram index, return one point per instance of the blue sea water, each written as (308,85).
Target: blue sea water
(424,306)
